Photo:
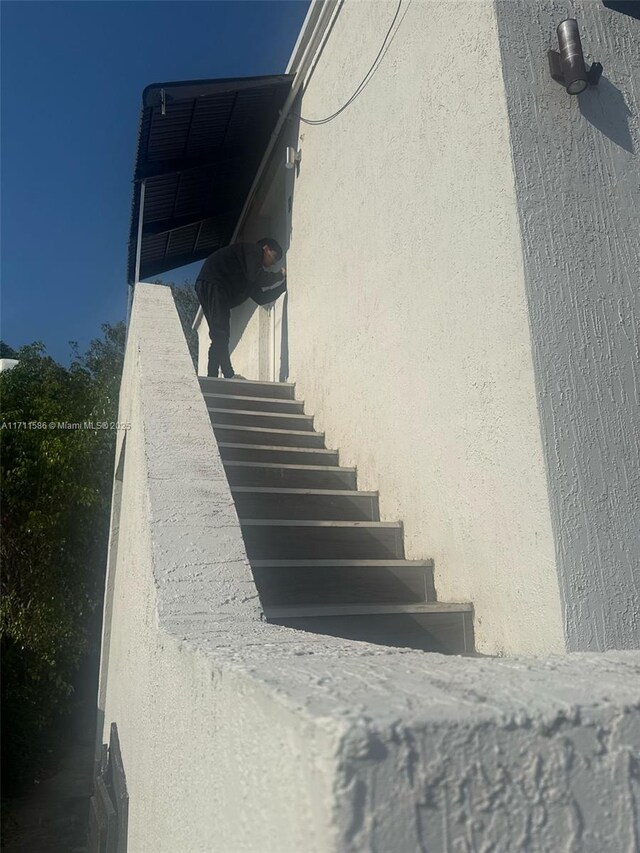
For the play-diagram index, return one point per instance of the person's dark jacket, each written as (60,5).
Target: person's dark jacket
(238,270)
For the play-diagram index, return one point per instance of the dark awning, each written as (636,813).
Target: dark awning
(199,147)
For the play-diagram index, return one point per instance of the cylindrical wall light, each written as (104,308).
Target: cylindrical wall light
(571,57)
(567,67)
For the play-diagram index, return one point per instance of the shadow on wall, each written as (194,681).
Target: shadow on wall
(605,108)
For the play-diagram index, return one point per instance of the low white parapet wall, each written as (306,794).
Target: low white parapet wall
(237,735)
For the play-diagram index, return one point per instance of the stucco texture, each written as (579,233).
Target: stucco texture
(243,737)
(578,188)
(247,320)
(408,330)
(462,317)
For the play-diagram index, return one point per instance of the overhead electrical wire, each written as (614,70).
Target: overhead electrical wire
(366,78)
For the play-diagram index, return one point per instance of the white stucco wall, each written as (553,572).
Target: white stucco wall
(243,737)
(462,258)
(203,343)
(407,318)
(578,187)
(178,571)
(243,344)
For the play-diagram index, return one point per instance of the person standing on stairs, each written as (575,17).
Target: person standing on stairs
(228,278)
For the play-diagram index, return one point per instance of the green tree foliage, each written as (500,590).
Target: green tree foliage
(56,494)
(6,351)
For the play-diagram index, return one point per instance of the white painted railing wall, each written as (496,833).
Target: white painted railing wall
(243,737)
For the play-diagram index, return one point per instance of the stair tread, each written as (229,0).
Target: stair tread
(322,492)
(390,562)
(287,448)
(250,382)
(288,465)
(295,522)
(252,399)
(302,610)
(261,414)
(255,429)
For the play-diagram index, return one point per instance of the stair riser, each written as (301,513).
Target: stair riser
(286,407)
(309,507)
(246,389)
(269,420)
(284,457)
(448,633)
(284,439)
(340,585)
(288,478)
(331,543)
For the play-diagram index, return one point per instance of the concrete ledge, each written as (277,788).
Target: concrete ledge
(238,736)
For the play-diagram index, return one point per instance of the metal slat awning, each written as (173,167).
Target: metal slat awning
(200,144)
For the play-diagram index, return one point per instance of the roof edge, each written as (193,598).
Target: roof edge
(178,90)
(304,37)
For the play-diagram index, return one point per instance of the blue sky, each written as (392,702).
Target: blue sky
(72,81)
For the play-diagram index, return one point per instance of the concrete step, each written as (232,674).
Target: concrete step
(297,611)
(321,559)
(276,454)
(270,539)
(290,476)
(269,420)
(314,582)
(253,404)
(444,628)
(247,387)
(326,504)
(260,435)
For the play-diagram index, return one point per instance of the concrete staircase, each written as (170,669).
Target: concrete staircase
(321,558)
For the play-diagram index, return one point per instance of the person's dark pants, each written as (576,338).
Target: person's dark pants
(217,311)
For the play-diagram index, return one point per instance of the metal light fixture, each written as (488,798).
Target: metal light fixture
(567,66)
(293,157)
